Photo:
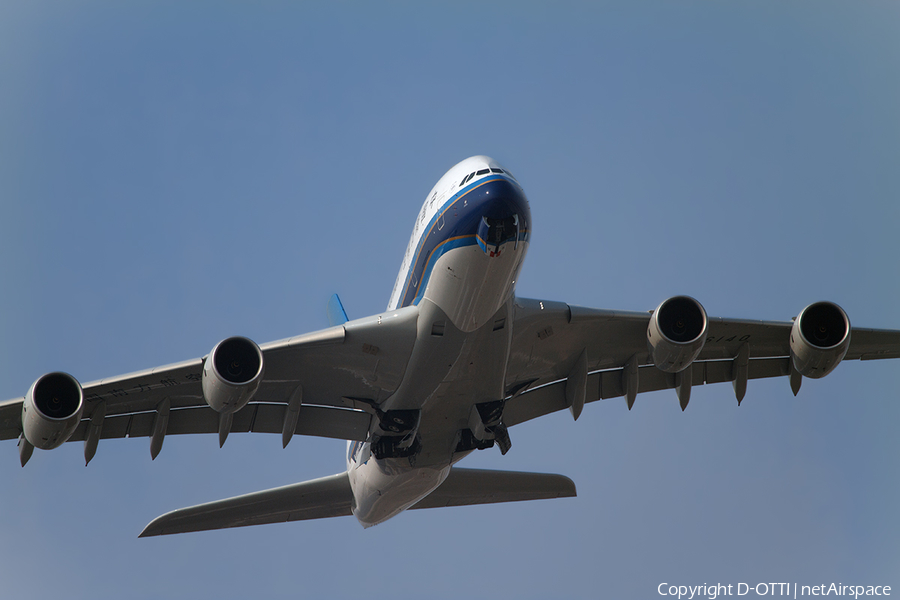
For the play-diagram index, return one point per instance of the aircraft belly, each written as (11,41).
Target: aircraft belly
(448,374)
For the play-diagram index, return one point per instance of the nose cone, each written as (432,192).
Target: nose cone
(504,217)
(499,206)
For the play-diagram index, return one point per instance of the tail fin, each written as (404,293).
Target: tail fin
(335,310)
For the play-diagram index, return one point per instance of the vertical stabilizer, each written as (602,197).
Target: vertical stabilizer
(335,310)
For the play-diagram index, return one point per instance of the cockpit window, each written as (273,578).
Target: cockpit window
(479,173)
(492,233)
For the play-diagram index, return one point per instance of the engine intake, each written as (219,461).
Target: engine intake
(820,339)
(231,374)
(52,410)
(676,333)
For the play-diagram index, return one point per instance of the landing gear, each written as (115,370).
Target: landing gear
(501,436)
(485,427)
(390,447)
(468,441)
(399,422)
(395,435)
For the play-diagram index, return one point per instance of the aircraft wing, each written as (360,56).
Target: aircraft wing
(550,337)
(344,370)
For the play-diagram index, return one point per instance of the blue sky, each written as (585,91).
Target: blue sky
(172,174)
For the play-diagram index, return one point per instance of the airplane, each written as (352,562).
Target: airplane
(454,362)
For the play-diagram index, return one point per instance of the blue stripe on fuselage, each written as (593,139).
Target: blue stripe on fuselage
(456,224)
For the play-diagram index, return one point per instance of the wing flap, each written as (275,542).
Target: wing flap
(465,487)
(316,499)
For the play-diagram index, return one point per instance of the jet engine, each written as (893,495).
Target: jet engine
(231,374)
(52,410)
(820,338)
(676,333)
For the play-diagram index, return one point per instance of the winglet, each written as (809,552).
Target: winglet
(335,310)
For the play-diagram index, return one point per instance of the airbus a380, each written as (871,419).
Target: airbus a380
(454,362)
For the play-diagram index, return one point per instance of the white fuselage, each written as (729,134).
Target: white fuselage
(459,270)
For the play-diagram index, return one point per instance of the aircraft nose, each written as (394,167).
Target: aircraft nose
(504,218)
(494,232)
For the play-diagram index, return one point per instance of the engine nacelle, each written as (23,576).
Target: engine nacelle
(820,339)
(52,410)
(231,374)
(676,333)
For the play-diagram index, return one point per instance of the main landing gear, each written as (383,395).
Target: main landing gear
(486,427)
(395,435)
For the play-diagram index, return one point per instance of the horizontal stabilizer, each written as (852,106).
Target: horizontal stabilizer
(332,497)
(480,486)
(316,499)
